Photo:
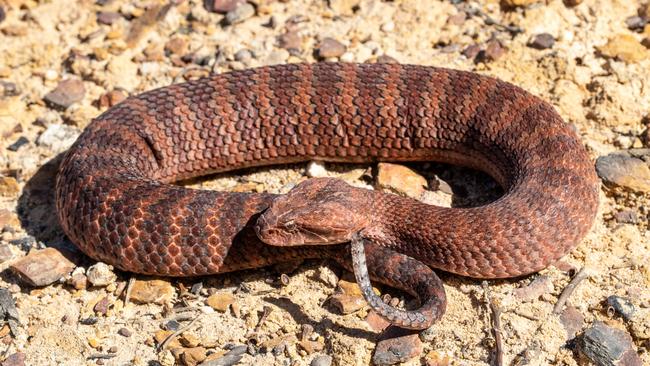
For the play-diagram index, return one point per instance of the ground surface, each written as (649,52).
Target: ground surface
(595,74)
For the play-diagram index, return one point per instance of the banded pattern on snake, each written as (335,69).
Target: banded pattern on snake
(116,203)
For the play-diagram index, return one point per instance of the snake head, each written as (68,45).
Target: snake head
(315,212)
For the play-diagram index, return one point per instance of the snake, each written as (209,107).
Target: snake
(117,202)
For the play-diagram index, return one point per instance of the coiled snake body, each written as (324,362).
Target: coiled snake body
(116,203)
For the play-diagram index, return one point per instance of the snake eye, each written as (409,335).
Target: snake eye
(290,225)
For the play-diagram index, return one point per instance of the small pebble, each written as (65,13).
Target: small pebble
(9,89)
(152,291)
(626,216)
(244,55)
(290,41)
(176,46)
(240,13)
(188,339)
(172,325)
(3,14)
(316,169)
(101,274)
(492,52)
(220,301)
(376,322)
(223,6)
(539,286)
(111,98)
(124,332)
(42,267)
(347,304)
(321,360)
(108,17)
(193,356)
(401,180)
(604,345)
(471,51)
(542,41)
(329,47)
(621,306)
(67,93)
(624,47)
(101,308)
(22,141)
(635,22)
(385,59)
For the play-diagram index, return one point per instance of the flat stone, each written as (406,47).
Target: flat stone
(471,51)
(572,320)
(189,340)
(329,47)
(16,145)
(152,291)
(542,41)
(65,94)
(376,322)
(625,48)
(42,267)
(220,301)
(396,350)
(101,274)
(193,356)
(347,304)
(538,287)
(401,180)
(240,13)
(604,345)
(620,169)
(108,17)
(9,187)
(161,335)
(223,6)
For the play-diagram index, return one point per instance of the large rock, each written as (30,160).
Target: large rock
(627,169)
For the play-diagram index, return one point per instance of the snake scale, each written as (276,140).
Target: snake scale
(115,200)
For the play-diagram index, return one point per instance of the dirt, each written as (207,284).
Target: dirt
(597,80)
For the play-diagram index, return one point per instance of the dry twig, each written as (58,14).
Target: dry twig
(568,290)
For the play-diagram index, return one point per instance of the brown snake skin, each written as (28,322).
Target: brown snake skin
(115,202)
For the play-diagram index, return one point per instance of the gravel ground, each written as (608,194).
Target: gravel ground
(62,62)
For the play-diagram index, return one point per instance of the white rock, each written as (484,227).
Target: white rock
(316,169)
(101,274)
(58,137)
